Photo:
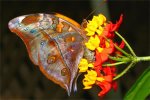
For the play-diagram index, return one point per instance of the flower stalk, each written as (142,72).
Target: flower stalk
(124,71)
(127,44)
(147,58)
(129,58)
(114,64)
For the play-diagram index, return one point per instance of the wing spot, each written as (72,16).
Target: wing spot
(42,42)
(64,72)
(30,19)
(59,27)
(51,59)
(70,49)
(33,31)
(70,39)
(26,29)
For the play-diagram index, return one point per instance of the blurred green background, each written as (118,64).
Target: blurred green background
(20,79)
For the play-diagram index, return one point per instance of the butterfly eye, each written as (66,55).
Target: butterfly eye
(51,59)
(64,71)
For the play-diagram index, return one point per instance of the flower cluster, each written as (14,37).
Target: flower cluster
(101,35)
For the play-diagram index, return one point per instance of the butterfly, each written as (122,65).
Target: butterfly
(55,43)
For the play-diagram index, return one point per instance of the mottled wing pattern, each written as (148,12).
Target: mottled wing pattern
(54,43)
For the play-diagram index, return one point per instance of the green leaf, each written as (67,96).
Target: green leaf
(141,89)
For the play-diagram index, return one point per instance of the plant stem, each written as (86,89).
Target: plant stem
(124,71)
(118,48)
(127,44)
(114,64)
(147,58)
(134,61)
(121,50)
(121,59)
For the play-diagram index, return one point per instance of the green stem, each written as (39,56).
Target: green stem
(124,71)
(129,47)
(118,48)
(147,58)
(121,50)
(134,61)
(114,64)
(122,59)
(114,58)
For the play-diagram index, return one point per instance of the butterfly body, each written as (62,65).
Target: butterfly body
(54,42)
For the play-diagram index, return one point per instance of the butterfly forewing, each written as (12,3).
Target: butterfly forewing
(54,43)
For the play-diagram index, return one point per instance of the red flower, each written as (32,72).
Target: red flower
(122,45)
(107,83)
(105,86)
(114,85)
(101,57)
(108,33)
(117,25)
(110,28)
(109,70)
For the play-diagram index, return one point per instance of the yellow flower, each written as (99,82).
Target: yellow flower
(92,25)
(103,19)
(91,28)
(94,28)
(101,79)
(99,30)
(95,25)
(100,19)
(107,44)
(83,65)
(93,43)
(89,79)
(100,49)
(90,65)
(89,32)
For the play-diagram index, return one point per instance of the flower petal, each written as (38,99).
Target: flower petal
(105,86)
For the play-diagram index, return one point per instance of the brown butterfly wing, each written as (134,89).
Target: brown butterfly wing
(72,51)
(52,43)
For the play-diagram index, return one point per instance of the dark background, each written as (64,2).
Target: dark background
(20,79)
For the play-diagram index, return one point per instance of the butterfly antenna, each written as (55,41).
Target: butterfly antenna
(102,2)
